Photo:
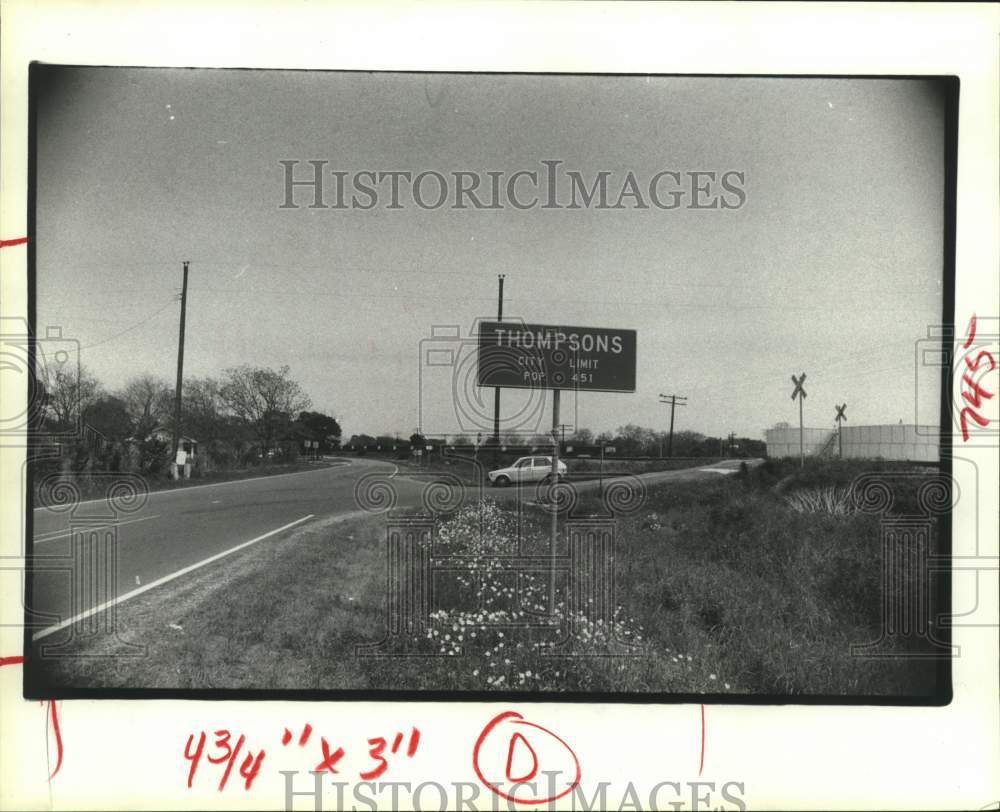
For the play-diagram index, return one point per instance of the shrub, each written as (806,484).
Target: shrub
(831,500)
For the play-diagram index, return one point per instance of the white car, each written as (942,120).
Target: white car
(526,469)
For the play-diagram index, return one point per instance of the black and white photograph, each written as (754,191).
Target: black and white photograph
(544,386)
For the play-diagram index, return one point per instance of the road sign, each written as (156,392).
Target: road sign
(840,413)
(798,391)
(545,356)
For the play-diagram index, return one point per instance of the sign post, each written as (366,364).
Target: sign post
(552,500)
(800,393)
(600,476)
(518,355)
(840,418)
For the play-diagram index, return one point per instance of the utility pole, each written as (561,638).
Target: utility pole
(800,393)
(496,391)
(674,401)
(180,364)
(562,428)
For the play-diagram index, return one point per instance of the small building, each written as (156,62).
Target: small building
(187,444)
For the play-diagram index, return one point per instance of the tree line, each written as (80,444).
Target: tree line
(630,440)
(247,416)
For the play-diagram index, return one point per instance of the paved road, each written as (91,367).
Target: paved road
(177,531)
(180,528)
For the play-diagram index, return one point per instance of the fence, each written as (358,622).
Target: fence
(893,442)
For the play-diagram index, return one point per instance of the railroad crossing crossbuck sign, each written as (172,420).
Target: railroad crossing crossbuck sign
(799,391)
(840,425)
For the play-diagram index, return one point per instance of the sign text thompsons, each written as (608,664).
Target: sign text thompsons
(545,356)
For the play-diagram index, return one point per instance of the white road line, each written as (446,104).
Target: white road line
(63,533)
(219,484)
(160,581)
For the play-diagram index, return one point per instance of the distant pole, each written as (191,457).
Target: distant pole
(496,391)
(800,393)
(552,501)
(674,401)
(180,364)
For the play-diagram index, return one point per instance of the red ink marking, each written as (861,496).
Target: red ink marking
(303,737)
(194,757)
(378,745)
(232,759)
(411,748)
(222,741)
(978,394)
(517,737)
(55,730)
(11,243)
(967,412)
(972,333)
(515,718)
(701,761)
(250,768)
(975,366)
(11,660)
(329,759)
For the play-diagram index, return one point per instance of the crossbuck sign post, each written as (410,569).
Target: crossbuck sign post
(800,393)
(840,435)
(544,356)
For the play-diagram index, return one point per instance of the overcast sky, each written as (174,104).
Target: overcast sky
(833,266)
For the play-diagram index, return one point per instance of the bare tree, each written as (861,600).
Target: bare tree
(203,409)
(147,399)
(69,391)
(265,399)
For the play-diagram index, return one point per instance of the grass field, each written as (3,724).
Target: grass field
(756,583)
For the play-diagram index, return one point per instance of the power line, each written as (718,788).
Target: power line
(131,327)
